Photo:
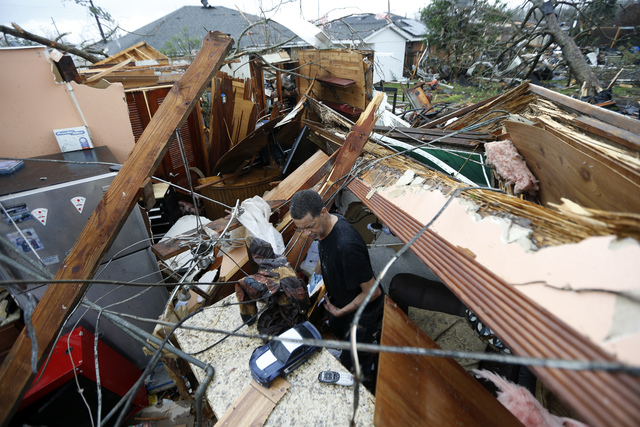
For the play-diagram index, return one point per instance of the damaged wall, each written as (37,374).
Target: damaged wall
(600,263)
(34,104)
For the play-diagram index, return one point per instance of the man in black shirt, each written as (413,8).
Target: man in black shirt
(346,270)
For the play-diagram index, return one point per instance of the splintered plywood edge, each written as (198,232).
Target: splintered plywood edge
(108,218)
(254,405)
(355,141)
(422,390)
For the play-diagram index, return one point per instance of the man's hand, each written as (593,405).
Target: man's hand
(332,309)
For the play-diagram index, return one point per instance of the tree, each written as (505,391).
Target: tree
(467,33)
(600,12)
(462,32)
(181,44)
(21,34)
(590,85)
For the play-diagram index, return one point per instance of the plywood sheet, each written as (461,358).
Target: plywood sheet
(253,406)
(344,64)
(417,390)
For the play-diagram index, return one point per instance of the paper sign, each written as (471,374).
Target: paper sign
(41,215)
(78,202)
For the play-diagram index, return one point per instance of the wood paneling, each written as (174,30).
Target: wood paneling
(414,390)
(564,171)
(143,104)
(344,64)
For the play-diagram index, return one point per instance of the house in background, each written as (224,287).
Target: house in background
(195,21)
(396,41)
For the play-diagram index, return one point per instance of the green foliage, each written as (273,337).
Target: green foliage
(181,44)
(600,12)
(461,32)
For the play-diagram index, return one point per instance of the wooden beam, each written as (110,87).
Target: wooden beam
(109,71)
(356,139)
(614,119)
(442,392)
(107,220)
(255,404)
(611,132)
(460,112)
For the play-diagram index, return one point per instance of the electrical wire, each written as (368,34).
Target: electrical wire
(568,364)
(353,346)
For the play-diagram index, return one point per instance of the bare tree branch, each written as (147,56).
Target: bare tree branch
(20,33)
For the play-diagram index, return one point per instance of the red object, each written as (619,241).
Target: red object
(347,110)
(75,350)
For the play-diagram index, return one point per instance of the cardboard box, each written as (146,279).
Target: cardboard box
(73,139)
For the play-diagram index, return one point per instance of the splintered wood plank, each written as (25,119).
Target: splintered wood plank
(623,137)
(255,403)
(414,390)
(107,220)
(459,112)
(109,71)
(615,119)
(566,172)
(307,174)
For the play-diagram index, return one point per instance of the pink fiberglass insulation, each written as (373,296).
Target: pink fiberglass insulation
(521,403)
(511,166)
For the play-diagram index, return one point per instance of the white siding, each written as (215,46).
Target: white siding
(389,47)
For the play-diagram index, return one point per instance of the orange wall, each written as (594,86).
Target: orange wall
(32,104)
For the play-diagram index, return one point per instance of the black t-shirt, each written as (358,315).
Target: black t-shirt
(345,262)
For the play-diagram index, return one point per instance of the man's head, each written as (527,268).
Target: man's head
(309,214)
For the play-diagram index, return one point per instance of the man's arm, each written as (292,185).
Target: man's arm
(356,302)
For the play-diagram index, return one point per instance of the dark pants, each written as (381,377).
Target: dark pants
(368,330)
(408,289)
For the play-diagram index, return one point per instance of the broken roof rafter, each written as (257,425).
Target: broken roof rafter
(102,226)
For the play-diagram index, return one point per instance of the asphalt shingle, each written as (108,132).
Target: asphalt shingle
(198,20)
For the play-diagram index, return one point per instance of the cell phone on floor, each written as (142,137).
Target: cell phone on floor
(338,378)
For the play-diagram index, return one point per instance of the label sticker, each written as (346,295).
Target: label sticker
(78,202)
(53,259)
(25,245)
(17,213)
(41,215)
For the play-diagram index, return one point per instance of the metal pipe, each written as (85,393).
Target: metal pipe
(200,392)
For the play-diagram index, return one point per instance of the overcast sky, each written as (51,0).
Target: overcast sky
(50,17)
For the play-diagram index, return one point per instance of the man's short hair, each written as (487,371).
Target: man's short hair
(305,202)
